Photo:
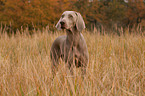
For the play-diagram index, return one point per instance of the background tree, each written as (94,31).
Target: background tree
(135,12)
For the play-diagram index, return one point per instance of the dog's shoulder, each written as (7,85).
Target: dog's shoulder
(60,38)
(59,41)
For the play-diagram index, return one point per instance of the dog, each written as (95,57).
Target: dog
(71,48)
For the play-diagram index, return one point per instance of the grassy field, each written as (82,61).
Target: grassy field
(116,66)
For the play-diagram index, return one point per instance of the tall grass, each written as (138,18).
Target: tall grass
(116,66)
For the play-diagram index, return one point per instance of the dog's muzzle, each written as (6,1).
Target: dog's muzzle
(62,24)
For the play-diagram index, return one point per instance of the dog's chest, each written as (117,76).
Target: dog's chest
(70,52)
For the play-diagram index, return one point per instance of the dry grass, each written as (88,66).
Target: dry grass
(116,66)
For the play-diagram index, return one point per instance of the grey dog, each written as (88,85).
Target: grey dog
(71,48)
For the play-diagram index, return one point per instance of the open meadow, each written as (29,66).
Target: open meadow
(116,66)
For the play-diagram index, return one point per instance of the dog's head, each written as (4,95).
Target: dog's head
(69,20)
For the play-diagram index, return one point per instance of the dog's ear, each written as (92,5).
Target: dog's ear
(80,24)
(58,25)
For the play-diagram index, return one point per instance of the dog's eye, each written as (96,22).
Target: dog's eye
(62,16)
(70,16)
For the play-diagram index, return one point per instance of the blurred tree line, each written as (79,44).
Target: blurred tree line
(17,14)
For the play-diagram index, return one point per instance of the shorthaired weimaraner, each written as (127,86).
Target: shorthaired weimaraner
(71,48)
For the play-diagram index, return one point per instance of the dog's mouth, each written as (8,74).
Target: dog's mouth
(62,27)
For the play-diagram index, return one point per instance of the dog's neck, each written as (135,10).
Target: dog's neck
(73,36)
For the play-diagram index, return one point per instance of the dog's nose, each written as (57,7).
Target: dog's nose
(62,22)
